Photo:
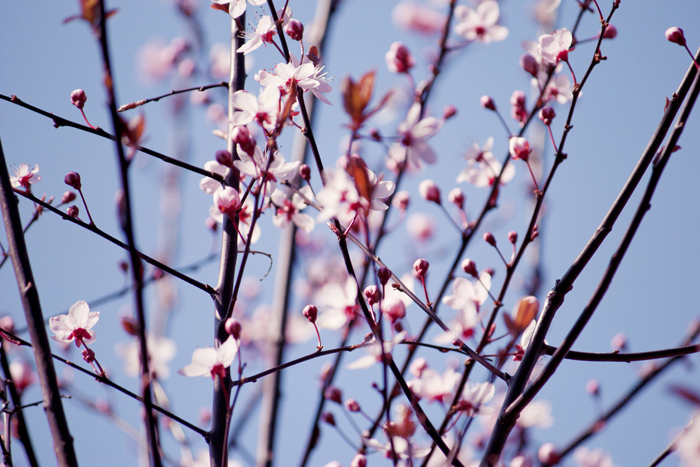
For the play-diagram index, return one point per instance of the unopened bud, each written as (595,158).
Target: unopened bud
(78,98)
(469,267)
(401,200)
(72,179)
(399,58)
(224,158)
(68,197)
(310,312)
(360,460)
(513,237)
(333,394)
(449,112)
(73,211)
(88,355)
(610,32)
(456,197)
(328,418)
(295,30)
(490,239)
(241,136)
(384,274)
(529,64)
(547,114)
(233,328)
(676,36)
(374,134)
(372,294)
(487,103)
(429,191)
(352,405)
(305,172)
(548,454)
(420,267)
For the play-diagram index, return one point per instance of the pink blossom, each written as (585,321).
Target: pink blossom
(264,32)
(417,17)
(585,457)
(412,147)
(208,184)
(306,75)
(263,110)
(160,351)
(237,7)
(676,36)
(559,88)
(374,351)
(519,148)
(467,298)
(260,167)
(555,47)
(483,168)
(420,226)
(24,177)
(688,444)
(434,386)
(339,304)
(227,200)
(75,325)
(212,362)
(22,375)
(480,24)
(474,396)
(78,98)
(289,210)
(399,58)
(429,190)
(537,414)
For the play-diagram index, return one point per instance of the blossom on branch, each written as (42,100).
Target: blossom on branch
(483,168)
(76,325)
(411,147)
(555,47)
(264,32)
(235,7)
(212,362)
(24,177)
(289,210)
(480,24)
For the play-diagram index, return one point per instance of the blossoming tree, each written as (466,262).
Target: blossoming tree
(374,265)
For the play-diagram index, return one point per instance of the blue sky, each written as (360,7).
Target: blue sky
(651,299)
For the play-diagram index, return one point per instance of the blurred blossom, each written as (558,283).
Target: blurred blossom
(160,351)
(483,168)
(545,12)
(688,444)
(480,24)
(418,18)
(420,226)
(220,61)
(22,375)
(537,414)
(157,59)
(338,304)
(212,362)
(585,457)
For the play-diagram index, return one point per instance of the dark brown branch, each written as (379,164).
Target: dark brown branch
(133,105)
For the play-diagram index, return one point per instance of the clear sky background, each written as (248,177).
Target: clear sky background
(652,299)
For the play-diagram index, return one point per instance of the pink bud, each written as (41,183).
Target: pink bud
(418,366)
(73,179)
(529,64)
(401,200)
(241,136)
(519,148)
(469,267)
(295,30)
(227,200)
(610,32)
(68,196)
(548,455)
(78,98)
(456,197)
(224,158)
(513,237)
(73,211)
(676,36)
(310,312)
(352,405)
(305,172)
(233,328)
(333,394)
(429,191)
(517,99)
(372,294)
(7,323)
(490,239)
(328,418)
(88,355)
(374,134)
(211,224)
(384,274)
(360,460)
(487,103)
(449,111)
(547,114)
(399,58)
(619,342)
(593,388)
(420,267)
(393,309)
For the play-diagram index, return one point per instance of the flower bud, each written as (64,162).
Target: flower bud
(384,274)
(360,460)
(593,388)
(310,312)
(513,237)
(519,148)
(78,98)
(88,355)
(469,267)
(449,111)
(305,172)
(130,325)
(610,32)
(233,328)
(676,36)
(352,405)
(73,211)
(372,294)
(547,114)
(68,197)
(295,30)
(456,197)
(399,58)
(333,394)
(548,455)
(420,267)
(224,158)
(529,64)
(429,191)
(401,200)
(490,239)
(374,134)
(487,103)
(72,179)
(328,418)
(242,137)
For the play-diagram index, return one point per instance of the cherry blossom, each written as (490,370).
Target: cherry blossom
(208,184)
(212,362)
(483,168)
(537,414)
(585,457)
(260,167)
(417,17)
(375,352)
(338,304)
(480,24)
(227,200)
(555,47)
(160,351)
(237,7)
(24,177)
(411,147)
(306,75)
(264,32)
(474,396)
(399,58)
(263,110)
(688,444)
(467,298)
(434,386)
(559,88)
(289,210)
(76,325)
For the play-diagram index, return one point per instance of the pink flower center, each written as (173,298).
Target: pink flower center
(79,334)
(218,370)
